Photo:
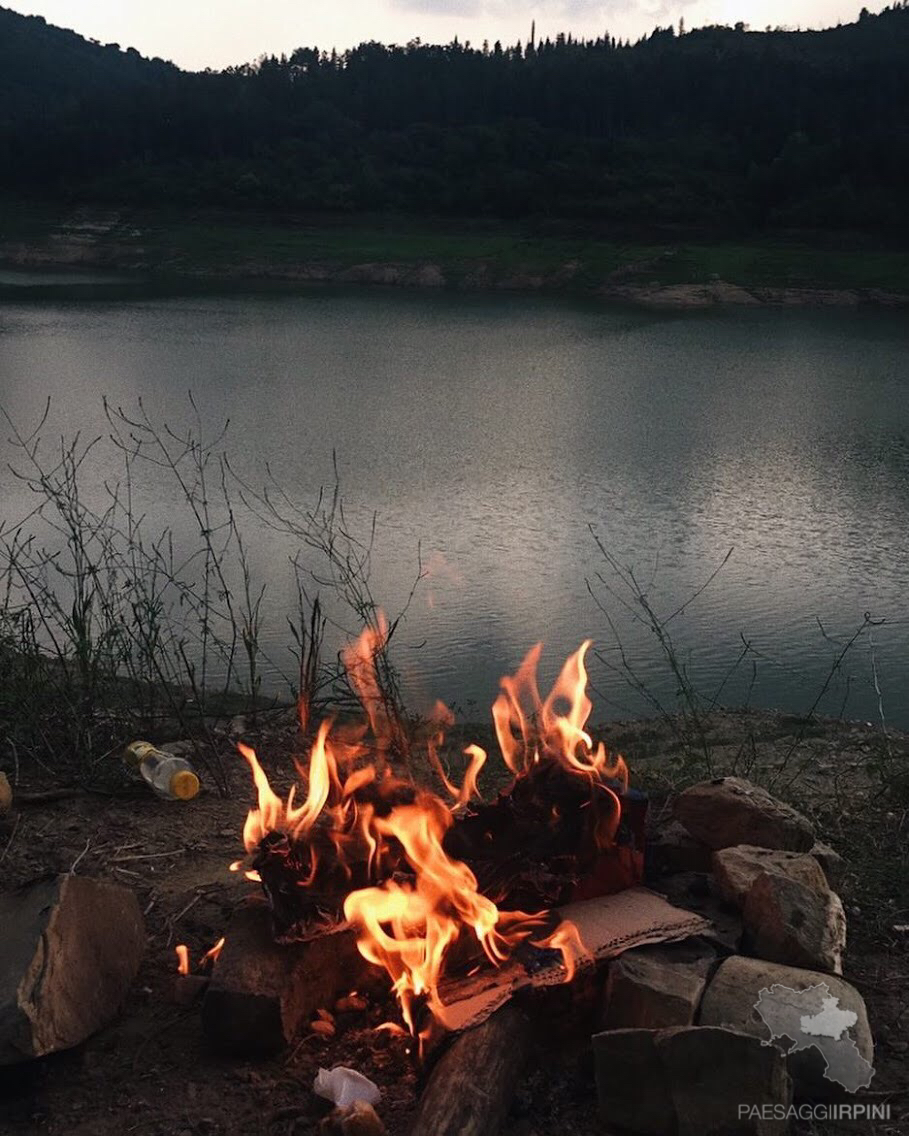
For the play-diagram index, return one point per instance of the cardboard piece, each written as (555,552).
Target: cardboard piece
(607,925)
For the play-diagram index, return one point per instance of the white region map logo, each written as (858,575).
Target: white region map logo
(812,1018)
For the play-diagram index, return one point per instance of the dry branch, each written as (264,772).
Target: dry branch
(471,1087)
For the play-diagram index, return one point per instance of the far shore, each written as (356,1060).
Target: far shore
(220,250)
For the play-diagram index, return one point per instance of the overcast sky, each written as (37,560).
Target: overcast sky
(215,33)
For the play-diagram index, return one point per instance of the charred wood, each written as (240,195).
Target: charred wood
(552,837)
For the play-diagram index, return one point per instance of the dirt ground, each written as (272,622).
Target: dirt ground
(149,1073)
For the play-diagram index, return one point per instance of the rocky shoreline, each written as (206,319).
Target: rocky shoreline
(90,250)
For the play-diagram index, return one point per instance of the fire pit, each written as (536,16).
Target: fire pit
(439,886)
(472,909)
(403,929)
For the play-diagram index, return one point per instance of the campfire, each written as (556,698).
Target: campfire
(438,884)
(406,929)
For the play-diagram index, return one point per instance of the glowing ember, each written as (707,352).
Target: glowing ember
(363,832)
(182,953)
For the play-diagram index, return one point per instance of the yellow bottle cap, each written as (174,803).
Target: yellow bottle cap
(136,752)
(184,785)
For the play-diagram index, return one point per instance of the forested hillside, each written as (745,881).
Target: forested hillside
(719,128)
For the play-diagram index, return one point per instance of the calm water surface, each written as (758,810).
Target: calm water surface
(491,432)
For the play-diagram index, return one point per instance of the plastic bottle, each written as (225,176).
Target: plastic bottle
(169,776)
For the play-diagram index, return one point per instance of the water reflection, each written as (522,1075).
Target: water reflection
(492,432)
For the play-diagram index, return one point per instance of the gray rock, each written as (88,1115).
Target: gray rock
(429,276)
(70,949)
(673,849)
(732,996)
(730,810)
(655,987)
(832,864)
(632,1089)
(697,892)
(713,1072)
(795,925)
(371,274)
(688,1081)
(735,870)
(262,992)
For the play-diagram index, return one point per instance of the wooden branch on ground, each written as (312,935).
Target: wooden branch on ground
(472,1085)
(46,796)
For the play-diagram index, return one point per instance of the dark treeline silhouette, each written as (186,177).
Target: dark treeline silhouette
(722,128)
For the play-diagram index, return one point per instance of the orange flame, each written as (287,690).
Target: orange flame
(182,952)
(359,659)
(273,814)
(212,955)
(409,925)
(426,918)
(528,728)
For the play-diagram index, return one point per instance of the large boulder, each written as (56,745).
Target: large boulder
(732,1001)
(735,870)
(690,1081)
(730,810)
(69,951)
(790,923)
(712,1073)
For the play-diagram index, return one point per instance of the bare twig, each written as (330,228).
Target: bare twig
(46,796)
(877,688)
(75,863)
(175,919)
(149,856)
(689,724)
(834,668)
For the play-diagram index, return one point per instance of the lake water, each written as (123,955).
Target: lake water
(493,431)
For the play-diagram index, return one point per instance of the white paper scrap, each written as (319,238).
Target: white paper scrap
(343,1086)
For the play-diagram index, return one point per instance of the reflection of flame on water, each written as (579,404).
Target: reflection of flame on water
(439,568)
(420,900)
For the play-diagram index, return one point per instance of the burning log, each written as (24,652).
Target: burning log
(421,879)
(472,1084)
(331,861)
(536,846)
(533,848)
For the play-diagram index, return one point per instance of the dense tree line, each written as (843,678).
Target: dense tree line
(720,127)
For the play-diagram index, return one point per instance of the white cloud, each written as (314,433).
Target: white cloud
(581,17)
(185,31)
